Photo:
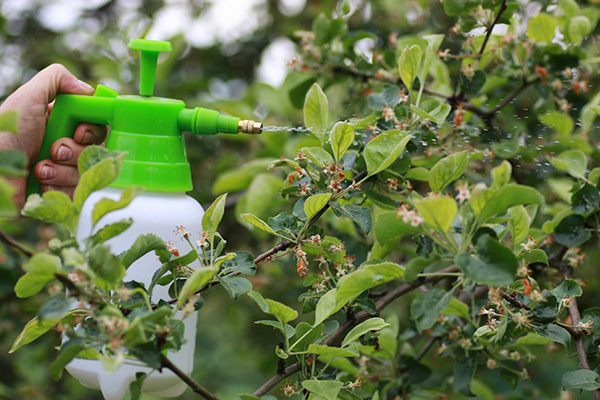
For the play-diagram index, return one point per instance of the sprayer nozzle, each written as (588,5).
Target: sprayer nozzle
(250,127)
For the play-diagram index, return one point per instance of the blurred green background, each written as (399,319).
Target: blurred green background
(230,55)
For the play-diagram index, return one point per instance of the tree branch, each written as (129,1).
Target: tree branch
(490,28)
(359,317)
(166,363)
(14,244)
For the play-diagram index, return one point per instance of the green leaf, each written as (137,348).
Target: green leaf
(579,27)
(447,170)
(327,389)
(92,156)
(463,374)
(585,200)
(36,328)
(104,206)
(315,203)
(426,308)
(67,353)
(459,7)
(571,231)
(518,224)
(384,149)
(532,339)
(555,333)
(96,177)
(567,288)
(370,325)
(289,330)
(9,121)
(7,205)
(583,379)
(342,136)
(257,222)
(409,64)
(197,280)
(419,173)
(55,307)
(106,266)
(242,262)
(331,351)
(52,207)
(457,307)
(235,285)
(388,227)
(109,231)
(359,214)
(437,114)
(143,245)
(536,255)
(573,162)
(560,122)
(315,111)
(488,202)
(325,306)
(492,264)
(12,163)
(279,310)
(541,28)
(213,215)
(135,387)
(40,270)
(438,212)
(365,277)
(318,156)
(501,175)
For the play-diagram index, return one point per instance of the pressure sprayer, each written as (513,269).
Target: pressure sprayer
(150,130)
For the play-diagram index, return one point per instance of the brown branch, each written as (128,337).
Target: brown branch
(427,347)
(359,317)
(490,28)
(14,244)
(166,363)
(567,273)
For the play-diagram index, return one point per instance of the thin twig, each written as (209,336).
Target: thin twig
(14,244)
(426,348)
(166,363)
(359,317)
(490,28)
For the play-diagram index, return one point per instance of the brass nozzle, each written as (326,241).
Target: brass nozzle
(250,127)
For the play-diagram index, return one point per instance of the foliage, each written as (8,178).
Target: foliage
(464,175)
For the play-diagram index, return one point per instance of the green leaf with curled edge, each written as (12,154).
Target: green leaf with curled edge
(447,170)
(52,207)
(573,162)
(583,379)
(257,222)
(144,244)
(409,65)
(315,203)
(106,205)
(213,215)
(199,278)
(542,28)
(279,310)
(317,155)
(40,270)
(438,212)
(342,136)
(384,149)
(370,325)
(315,111)
(97,177)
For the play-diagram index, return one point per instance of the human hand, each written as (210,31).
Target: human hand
(33,101)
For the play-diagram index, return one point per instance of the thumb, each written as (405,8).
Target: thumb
(52,80)
(57,79)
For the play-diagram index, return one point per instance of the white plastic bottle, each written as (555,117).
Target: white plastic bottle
(152,212)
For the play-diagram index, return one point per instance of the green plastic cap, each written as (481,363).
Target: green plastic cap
(148,61)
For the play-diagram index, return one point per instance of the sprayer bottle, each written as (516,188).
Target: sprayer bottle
(150,130)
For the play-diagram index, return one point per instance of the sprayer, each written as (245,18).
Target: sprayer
(150,129)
